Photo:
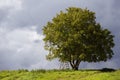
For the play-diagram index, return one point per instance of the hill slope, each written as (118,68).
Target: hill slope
(59,75)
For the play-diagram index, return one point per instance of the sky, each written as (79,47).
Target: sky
(21,38)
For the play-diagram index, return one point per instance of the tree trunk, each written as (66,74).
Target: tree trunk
(75,68)
(75,64)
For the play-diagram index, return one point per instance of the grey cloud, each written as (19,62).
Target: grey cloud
(6,59)
(36,12)
(19,51)
(3,14)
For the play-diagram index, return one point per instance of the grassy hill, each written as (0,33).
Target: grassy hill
(59,75)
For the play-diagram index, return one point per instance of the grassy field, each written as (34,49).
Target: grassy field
(59,75)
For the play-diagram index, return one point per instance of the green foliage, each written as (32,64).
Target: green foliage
(59,75)
(75,36)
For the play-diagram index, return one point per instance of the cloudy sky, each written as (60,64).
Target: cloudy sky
(21,23)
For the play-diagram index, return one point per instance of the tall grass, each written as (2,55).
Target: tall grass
(42,74)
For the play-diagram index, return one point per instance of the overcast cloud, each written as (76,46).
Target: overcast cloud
(21,23)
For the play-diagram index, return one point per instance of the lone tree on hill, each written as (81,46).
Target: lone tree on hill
(74,36)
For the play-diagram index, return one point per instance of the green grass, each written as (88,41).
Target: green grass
(59,75)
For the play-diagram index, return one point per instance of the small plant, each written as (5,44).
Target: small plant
(39,71)
(22,70)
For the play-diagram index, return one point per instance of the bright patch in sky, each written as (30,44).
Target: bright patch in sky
(17,4)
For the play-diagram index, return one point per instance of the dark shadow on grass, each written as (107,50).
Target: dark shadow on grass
(107,70)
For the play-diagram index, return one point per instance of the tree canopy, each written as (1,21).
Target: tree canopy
(74,36)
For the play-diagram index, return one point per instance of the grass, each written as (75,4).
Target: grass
(59,75)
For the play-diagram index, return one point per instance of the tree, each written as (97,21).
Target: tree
(74,36)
